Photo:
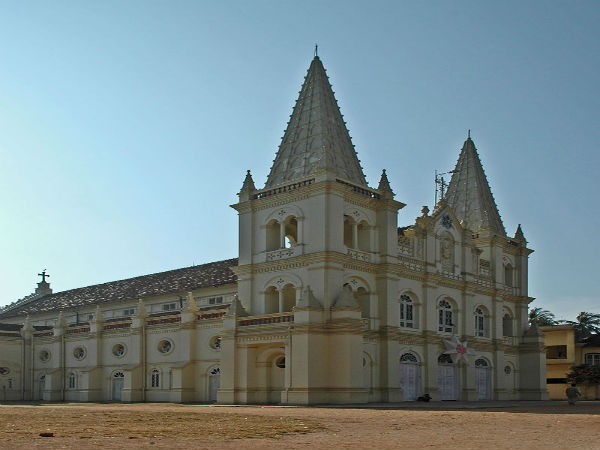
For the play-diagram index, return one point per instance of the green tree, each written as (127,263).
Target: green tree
(585,325)
(584,373)
(541,317)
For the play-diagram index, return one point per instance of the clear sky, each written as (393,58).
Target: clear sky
(127,127)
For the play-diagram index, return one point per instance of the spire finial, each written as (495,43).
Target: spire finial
(316,50)
(469,134)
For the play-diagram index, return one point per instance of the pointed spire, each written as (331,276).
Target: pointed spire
(316,138)
(248,185)
(384,186)
(469,193)
(247,188)
(519,236)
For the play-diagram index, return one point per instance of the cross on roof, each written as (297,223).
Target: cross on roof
(43,275)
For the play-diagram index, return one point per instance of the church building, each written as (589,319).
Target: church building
(329,300)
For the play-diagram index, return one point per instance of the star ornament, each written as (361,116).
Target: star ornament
(455,347)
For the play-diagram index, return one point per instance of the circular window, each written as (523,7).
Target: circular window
(79,353)
(507,370)
(165,346)
(215,343)
(280,362)
(118,350)
(4,370)
(45,355)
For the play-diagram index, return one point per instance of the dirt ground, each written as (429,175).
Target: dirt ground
(518,425)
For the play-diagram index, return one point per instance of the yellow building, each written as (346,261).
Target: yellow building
(563,352)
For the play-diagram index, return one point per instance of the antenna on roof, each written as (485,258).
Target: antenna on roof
(316,51)
(441,184)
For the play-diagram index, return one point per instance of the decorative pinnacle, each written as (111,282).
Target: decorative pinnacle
(248,184)
(316,50)
(519,236)
(469,134)
(384,184)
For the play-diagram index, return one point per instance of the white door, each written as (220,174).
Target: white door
(448,382)
(409,379)
(482,378)
(214,383)
(117,388)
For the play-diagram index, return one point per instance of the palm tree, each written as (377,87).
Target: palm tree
(585,325)
(541,317)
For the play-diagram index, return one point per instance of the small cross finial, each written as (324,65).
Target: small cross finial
(43,275)
(316,50)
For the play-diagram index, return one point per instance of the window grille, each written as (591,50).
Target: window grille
(445,320)
(479,322)
(155,379)
(406,311)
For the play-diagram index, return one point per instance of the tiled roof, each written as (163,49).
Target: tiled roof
(180,280)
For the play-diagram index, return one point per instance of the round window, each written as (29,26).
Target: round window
(45,355)
(216,343)
(165,346)
(507,370)
(4,370)
(118,350)
(280,362)
(79,353)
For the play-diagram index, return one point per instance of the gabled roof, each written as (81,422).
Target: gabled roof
(316,137)
(189,278)
(469,193)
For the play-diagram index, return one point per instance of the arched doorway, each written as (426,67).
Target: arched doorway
(214,383)
(482,379)
(447,378)
(409,377)
(117,385)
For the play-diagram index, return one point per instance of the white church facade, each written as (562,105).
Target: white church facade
(329,300)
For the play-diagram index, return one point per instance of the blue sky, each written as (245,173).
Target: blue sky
(127,127)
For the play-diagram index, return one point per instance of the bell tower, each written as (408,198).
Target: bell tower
(309,244)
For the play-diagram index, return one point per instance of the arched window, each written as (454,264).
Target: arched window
(480,325)
(445,322)
(408,358)
(364,237)
(507,325)
(155,378)
(481,363)
(271,300)
(508,275)
(406,312)
(291,232)
(349,237)
(445,359)
(72,380)
(273,238)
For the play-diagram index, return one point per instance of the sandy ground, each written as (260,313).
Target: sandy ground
(518,425)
